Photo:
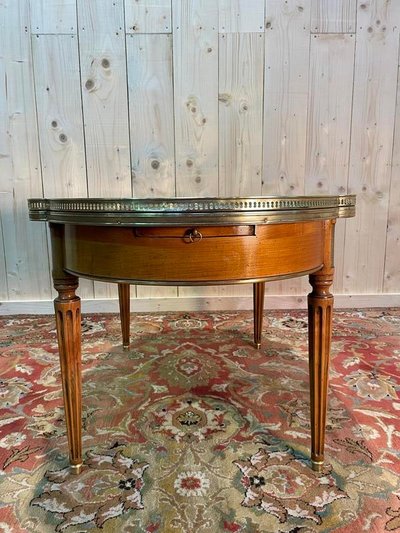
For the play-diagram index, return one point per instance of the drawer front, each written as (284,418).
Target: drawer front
(170,255)
(195,232)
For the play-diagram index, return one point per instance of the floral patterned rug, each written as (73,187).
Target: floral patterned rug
(194,430)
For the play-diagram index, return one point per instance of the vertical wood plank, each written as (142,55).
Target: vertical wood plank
(195,45)
(148,16)
(392,263)
(333,16)
(151,114)
(329,113)
(238,16)
(329,124)
(58,100)
(3,266)
(287,43)
(105,105)
(287,51)
(104,97)
(372,138)
(5,165)
(195,42)
(24,254)
(151,124)
(53,16)
(241,78)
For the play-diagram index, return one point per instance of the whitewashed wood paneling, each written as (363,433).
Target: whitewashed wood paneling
(24,263)
(241,16)
(52,16)
(287,51)
(151,114)
(391,281)
(195,44)
(104,97)
(374,105)
(60,120)
(333,16)
(201,98)
(143,16)
(105,104)
(241,66)
(329,124)
(151,124)
(58,99)
(329,113)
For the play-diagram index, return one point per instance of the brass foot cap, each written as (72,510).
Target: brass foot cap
(317,466)
(125,346)
(258,345)
(76,469)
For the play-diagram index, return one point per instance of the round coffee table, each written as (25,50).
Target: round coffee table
(192,241)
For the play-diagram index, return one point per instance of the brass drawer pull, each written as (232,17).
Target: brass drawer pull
(192,235)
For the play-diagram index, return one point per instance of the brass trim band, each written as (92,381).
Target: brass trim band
(199,211)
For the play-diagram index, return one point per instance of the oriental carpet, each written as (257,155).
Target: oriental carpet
(194,430)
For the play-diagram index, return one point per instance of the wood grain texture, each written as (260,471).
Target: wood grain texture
(238,16)
(287,44)
(58,98)
(195,43)
(148,16)
(60,120)
(24,262)
(50,16)
(3,266)
(329,113)
(329,123)
(151,105)
(104,97)
(320,309)
(287,53)
(372,142)
(258,311)
(124,312)
(304,139)
(333,16)
(67,308)
(391,281)
(112,252)
(241,78)
(151,115)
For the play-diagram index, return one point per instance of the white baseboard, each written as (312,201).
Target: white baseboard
(227,303)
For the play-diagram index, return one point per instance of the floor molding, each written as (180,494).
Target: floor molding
(227,303)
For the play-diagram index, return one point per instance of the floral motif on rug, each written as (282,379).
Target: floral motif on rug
(188,419)
(281,485)
(108,486)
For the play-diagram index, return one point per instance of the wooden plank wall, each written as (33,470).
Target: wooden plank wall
(201,97)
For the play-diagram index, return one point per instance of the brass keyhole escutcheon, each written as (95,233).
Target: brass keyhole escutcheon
(192,235)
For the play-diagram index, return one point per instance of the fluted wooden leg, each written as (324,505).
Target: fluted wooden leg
(258,305)
(124,311)
(68,318)
(320,307)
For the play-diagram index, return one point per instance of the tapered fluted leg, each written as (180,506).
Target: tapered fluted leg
(68,318)
(258,305)
(124,311)
(320,307)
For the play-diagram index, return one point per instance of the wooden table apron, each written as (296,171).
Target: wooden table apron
(184,247)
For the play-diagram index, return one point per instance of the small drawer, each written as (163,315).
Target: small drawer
(206,232)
